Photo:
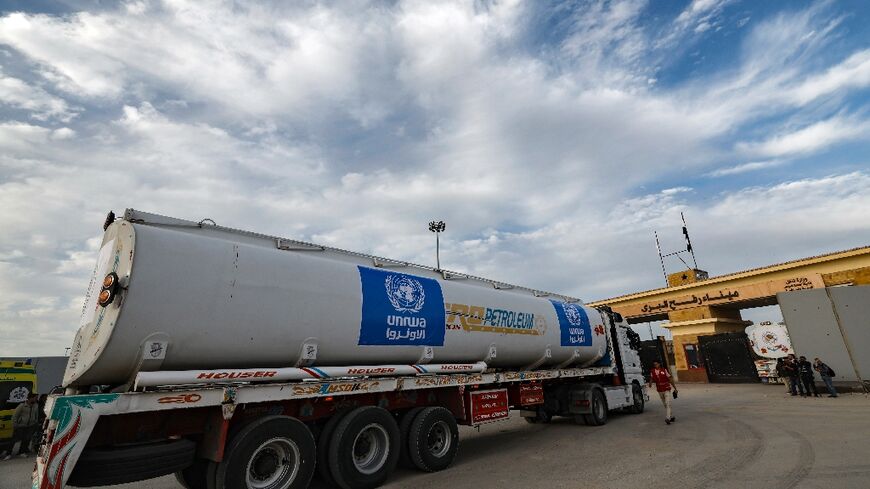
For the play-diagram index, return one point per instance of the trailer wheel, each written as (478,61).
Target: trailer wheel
(273,452)
(637,396)
(404,432)
(364,448)
(197,475)
(598,416)
(323,446)
(434,439)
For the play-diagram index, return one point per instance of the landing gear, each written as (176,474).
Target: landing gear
(541,416)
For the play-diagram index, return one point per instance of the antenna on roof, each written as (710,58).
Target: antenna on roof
(688,241)
(699,274)
(661,258)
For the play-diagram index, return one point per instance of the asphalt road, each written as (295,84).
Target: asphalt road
(725,436)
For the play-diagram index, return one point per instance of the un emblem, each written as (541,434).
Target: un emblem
(405,293)
(573,314)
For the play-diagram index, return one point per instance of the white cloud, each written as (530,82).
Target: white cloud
(608,43)
(812,138)
(698,17)
(701,9)
(830,206)
(778,70)
(42,106)
(356,125)
(63,133)
(291,59)
(747,167)
(20,135)
(853,72)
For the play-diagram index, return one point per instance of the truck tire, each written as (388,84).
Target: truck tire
(404,431)
(364,448)
(196,476)
(323,446)
(434,439)
(598,416)
(122,464)
(273,452)
(637,396)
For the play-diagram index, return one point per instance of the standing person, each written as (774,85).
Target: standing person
(780,373)
(662,378)
(825,372)
(805,368)
(793,374)
(25,419)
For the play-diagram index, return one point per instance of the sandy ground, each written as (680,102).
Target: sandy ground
(725,436)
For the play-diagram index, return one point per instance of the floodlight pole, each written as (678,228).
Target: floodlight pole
(437,227)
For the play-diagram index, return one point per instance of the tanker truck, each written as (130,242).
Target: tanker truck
(237,360)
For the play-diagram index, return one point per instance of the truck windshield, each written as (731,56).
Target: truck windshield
(13,393)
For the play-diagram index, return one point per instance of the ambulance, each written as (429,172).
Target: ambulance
(17,381)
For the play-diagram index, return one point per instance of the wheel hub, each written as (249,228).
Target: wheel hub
(265,464)
(274,464)
(438,439)
(370,449)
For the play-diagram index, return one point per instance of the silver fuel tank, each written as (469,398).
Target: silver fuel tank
(197,296)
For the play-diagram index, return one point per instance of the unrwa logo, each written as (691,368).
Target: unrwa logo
(405,293)
(573,314)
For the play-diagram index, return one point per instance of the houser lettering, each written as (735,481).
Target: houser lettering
(236,375)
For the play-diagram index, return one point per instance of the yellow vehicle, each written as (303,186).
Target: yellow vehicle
(17,380)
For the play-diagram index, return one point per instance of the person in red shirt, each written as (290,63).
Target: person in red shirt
(662,378)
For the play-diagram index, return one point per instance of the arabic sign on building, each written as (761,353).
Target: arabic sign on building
(723,296)
(692,301)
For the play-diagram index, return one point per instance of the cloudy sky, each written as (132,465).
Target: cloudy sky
(553,138)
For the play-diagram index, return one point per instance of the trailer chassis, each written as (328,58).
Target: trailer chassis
(78,422)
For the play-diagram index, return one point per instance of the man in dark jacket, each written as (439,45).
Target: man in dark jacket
(790,368)
(805,368)
(25,420)
(780,373)
(825,372)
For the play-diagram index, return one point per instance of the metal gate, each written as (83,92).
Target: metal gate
(727,358)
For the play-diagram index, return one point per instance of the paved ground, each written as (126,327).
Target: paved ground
(747,436)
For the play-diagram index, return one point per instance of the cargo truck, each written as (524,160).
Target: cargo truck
(239,360)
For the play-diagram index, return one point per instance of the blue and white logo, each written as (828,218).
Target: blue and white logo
(406,294)
(573,324)
(400,309)
(573,314)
